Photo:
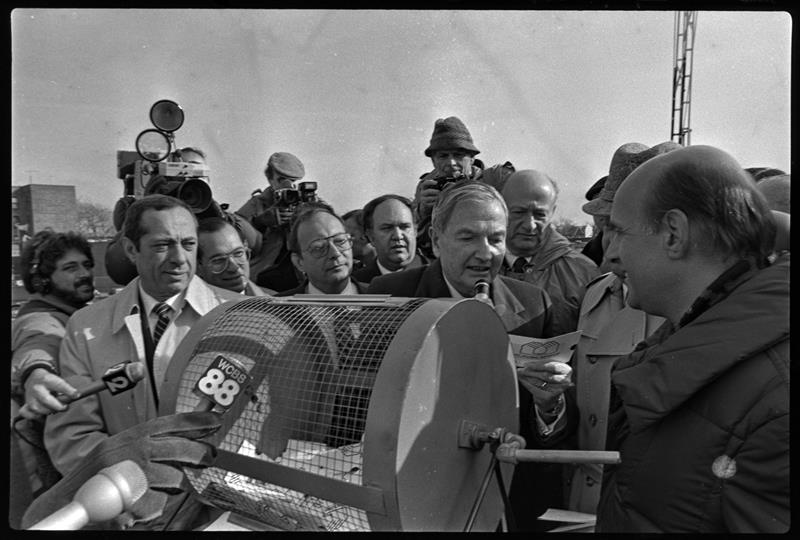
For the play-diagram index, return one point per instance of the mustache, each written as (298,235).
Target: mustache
(85,281)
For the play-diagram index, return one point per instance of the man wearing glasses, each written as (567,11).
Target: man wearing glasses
(223,259)
(323,251)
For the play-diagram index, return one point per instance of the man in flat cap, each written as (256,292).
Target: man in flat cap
(452,153)
(273,219)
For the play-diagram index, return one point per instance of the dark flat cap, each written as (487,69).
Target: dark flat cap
(286,164)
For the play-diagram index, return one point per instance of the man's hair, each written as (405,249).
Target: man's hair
(305,212)
(357,214)
(721,200)
(178,154)
(41,254)
(369,208)
(211,225)
(132,227)
(458,192)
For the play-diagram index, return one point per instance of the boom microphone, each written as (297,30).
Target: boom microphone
(104,496)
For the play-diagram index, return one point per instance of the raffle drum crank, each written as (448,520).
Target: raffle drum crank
(354,413)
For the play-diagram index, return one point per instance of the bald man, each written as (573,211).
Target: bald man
(537,253)
(699,411)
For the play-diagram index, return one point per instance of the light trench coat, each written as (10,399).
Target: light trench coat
(100,336)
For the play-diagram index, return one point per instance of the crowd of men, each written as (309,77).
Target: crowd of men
(682,301)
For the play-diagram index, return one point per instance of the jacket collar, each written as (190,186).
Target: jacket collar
(597,289)
(671,366)
(199,297)
(48,302)
(506,305)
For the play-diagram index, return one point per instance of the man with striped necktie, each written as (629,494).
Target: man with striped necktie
(144,322)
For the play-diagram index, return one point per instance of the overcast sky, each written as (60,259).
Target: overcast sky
(354,94)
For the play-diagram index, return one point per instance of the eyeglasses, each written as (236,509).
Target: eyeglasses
(219,263)
(319,247)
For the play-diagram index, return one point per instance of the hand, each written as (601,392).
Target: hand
(283,216)
(40,387)
(545,381)
(161,447)
(428,193)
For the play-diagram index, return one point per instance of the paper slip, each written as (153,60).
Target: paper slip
(557,348)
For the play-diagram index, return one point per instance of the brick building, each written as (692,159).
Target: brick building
(36,207)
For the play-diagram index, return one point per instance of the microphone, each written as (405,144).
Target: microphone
(104,496)
(221,383)
(482,291)
(118,378)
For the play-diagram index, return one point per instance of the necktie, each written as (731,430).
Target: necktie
(519,265)
(162,310)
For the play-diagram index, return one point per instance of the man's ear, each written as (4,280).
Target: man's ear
(130,249)
(434,241)
(675,234)
(297,261)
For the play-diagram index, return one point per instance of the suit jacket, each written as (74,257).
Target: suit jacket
(100,336)
(371,270)
(303,288)
(524,309)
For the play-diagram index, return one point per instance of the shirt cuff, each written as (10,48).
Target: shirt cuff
(547,429)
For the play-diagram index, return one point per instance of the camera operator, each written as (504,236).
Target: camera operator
(198,197)
(452,152)
(270,211)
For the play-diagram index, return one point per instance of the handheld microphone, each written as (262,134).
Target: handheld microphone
(221,383)
(118,378)
(104,496)
(482,291)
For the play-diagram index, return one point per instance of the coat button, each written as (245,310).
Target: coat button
(592,359)
(589,481)
(592,420)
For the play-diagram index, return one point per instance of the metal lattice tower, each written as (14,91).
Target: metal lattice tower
(683,55)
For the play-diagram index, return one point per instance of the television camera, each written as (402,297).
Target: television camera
(291,197)
(157,166)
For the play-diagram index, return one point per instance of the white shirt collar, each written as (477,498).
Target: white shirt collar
(511,258)
(349,289)
(148,302)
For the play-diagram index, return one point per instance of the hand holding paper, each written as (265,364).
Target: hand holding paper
(543,365)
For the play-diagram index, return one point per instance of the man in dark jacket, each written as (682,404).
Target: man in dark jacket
(322,250)
(700,410)
(452,154)
(468,237)
(270,265)
(389,226)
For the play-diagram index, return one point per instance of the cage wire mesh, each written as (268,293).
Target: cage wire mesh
(313,367)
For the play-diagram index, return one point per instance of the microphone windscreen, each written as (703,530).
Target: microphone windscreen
(135,371)
(129,477)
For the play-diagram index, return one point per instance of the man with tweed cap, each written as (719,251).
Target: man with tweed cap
(452,153)
(272,220)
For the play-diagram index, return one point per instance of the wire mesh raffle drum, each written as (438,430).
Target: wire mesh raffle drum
(343,413)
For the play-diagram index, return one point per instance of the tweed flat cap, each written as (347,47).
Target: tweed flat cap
(286,164)
(625,160)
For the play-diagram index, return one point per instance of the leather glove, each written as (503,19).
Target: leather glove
(161,447)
